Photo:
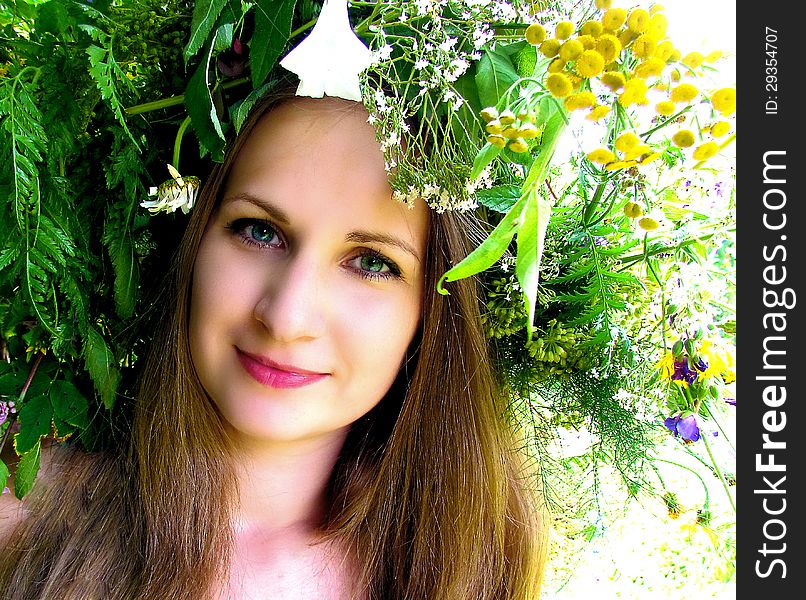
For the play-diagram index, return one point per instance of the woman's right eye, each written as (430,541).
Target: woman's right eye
(256,232)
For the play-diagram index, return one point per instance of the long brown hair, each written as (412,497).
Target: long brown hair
(430,492)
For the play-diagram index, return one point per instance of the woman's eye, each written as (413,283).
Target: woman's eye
(253,231)
(373,265)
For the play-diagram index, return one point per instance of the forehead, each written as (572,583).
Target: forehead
(320,157)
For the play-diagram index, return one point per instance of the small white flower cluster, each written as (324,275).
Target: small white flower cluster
(437,198)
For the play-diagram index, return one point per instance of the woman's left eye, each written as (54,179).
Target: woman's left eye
(373,265)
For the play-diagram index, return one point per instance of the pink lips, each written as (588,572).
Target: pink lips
(272,374)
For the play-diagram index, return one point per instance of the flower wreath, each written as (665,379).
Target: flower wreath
(588,250)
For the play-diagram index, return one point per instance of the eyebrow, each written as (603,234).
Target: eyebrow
(357,237)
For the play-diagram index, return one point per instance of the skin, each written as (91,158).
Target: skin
(310,263)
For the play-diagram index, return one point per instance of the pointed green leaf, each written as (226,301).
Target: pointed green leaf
(489,251)
(100,362)
(272,30)
(485,156)
(531,235)
(499,198)
(203,114)
(205,13)
(3,476)
(69,404)
(34,418)
(25,474)
(121,251)
(495,74)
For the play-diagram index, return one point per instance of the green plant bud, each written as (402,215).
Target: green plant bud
(494,126)
(499,141)
(698,334)
(490,113)
(713,391)
(518,145)
(691,349)
(507,117)
(671,308)
(677,349)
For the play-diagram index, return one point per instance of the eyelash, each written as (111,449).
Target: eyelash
(239,227)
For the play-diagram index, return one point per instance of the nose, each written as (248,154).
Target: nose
(291,309)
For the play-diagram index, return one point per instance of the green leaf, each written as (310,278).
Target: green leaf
(484,158)
(100,363)
(69,404)
(499,198)
(53,17)
(489,251)
(494,76)
(3,475)
(531,235)
(205,13)
(34,418)
(127,275)
(241,110)
(25,474)
(272,30)
(203,113)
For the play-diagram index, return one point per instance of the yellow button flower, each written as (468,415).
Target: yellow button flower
(604,4)
(665,108)
(637,152)
(651,67)
(559,85)
(713,56)
(649,158)
(664,50)
(598,112)
(580,100)
(614,18)
(685,92)
(634,93)
(648,223)
(571,50)
(616,166)
(626,36)
(535,34)
(499,141)
(705,151)
(592,28)
(603,156)
(627,141)
(657,25)
(720,128)
(608,46)
(693,60)
(724,100)
(614,80)
(550,47)
(556,66)
(638,20)
(564,30)
(590,64)
(588,42)
(633,210)
(656,8)
(518,145)
(644,46)
(683,138)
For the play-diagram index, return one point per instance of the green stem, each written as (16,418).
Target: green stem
(591,207)
(707,502)
(719,473)
(174,100)
(178,142)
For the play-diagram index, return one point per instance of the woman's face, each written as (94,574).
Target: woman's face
(308,284)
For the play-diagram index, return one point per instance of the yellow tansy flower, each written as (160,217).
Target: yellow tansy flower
(713,56)
(683,138)
(603,156)
(648,223)
(598,112)
(580,100)
(693,60)
(592,28)
(665,108)
(627,141)
(604,4)
(685,92)
(615,166)
(644,45)
(720,361)
(724,100)
(556,66)
(499,141)
(626,36)
(638,20)
(559,85)
(564,30)
(666,365)
(657,25)
(590,64)
(535,34)
(651,67)
(518,145)
(588,41)
(656,8)
(705,151)
(608,46)
(637,152)
(633,210)
(571,50)
(614,80)
(634,93)
(720,128)
(614,18)
(550,47)
(675,55)
(664,50)
(649,158)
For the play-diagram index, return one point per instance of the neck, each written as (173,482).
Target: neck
(283,484)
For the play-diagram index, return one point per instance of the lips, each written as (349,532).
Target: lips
(276,375)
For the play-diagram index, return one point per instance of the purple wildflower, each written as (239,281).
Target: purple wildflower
(684,427)
(731,401)
(683,372)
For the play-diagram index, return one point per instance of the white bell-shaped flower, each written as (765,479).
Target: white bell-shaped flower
(329,60)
